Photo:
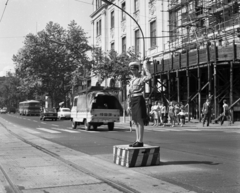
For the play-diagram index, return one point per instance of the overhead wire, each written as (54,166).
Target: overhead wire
(83,2)
(4,10)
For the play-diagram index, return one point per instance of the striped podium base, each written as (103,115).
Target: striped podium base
(136,156)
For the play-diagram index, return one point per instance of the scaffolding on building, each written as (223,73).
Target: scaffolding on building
(202,48)
(193,23)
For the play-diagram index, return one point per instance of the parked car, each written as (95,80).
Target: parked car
(64,113)
(48,113)
(3,110)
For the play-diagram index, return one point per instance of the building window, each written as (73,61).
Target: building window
(112,46)
(153,38)
(136,5)
(137,41)
(123,13)
(112,19)
(98,3)
(99,27)
(124,45)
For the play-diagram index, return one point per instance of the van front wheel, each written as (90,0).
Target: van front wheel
(110,126)
(87,126)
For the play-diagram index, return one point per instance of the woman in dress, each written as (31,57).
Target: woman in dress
(137,101)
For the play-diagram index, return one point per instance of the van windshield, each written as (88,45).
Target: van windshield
(106,102)
(97,100)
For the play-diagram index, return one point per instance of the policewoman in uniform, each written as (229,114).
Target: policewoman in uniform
(137,101)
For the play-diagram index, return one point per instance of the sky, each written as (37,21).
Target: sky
(21,17)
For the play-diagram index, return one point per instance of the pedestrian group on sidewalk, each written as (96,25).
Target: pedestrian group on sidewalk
(160,114)
(175,113)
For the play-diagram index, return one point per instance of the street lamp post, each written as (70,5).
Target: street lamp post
(110,3)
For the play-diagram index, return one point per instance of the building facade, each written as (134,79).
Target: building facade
(194,46)
(114,29)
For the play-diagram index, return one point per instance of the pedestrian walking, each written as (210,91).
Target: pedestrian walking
(155,110)
(181,115)
(226,113)
(176,112)
(171,114)
(163,114)
(159,113)
(207,112)
(183,109)
(137,101)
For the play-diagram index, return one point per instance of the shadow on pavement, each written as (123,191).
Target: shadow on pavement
(188,162)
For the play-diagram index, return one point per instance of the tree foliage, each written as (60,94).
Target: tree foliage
(113,65)
(9,92)
(51,61)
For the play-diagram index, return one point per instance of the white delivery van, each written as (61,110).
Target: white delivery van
(94,107)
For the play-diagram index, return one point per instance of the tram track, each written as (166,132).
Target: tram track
(116,185)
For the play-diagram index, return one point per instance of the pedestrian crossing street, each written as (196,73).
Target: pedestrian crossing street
(58,130)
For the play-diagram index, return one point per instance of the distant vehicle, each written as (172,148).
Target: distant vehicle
(11,110)
(94,107)
(48,113)
(64,113)
(4,110)
(29,107)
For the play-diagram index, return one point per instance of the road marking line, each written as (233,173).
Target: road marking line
(43,123)
(69,131)
(167,129)
(48,130)
(55,125)
(35,121)
(231,131)
(30,131)
(91,131)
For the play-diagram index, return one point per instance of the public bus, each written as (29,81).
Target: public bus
(29,107)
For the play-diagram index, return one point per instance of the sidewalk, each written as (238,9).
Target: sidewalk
(194,123)
(29,164)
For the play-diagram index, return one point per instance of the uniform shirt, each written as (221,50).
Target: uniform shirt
(137,84)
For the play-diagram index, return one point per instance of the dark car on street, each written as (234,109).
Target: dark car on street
(48,113)
(11,110)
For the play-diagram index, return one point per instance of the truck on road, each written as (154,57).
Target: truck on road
(95,106)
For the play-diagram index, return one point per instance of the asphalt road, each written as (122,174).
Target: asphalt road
(201,160)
